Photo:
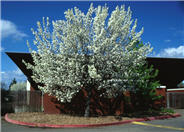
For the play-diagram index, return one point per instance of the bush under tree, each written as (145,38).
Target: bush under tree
(144,93)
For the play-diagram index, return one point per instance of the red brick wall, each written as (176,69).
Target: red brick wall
(161,91)
(32,89)
(49,106)
(162,102)
(98,106)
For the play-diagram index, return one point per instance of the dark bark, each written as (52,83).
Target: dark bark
(88,100)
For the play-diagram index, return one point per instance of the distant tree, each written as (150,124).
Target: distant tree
(181,84)
(12,83)
(4,91)
(3,86)
(21,86)
(6,100)
(87,51)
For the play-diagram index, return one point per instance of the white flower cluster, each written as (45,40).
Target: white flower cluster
(87,50)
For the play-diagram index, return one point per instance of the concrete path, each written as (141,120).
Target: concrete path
(167,125)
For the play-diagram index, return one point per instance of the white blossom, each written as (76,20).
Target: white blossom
(86,41)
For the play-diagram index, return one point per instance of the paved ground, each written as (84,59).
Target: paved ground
(168,125)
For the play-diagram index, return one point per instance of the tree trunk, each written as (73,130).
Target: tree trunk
(88,100)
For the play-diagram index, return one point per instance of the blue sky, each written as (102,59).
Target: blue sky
(163,24)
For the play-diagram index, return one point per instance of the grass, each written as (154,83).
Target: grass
(62,119)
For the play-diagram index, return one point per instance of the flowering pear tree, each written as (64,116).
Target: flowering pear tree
(87,51)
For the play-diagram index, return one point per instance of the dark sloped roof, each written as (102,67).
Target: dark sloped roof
(171,70)
(18,60)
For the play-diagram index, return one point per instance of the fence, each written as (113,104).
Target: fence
(175,100)
(24,101)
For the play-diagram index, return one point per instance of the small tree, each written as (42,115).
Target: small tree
(12,83)
(145,85)
(21,86)
(87,51)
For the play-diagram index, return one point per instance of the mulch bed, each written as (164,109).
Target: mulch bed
(61,119)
